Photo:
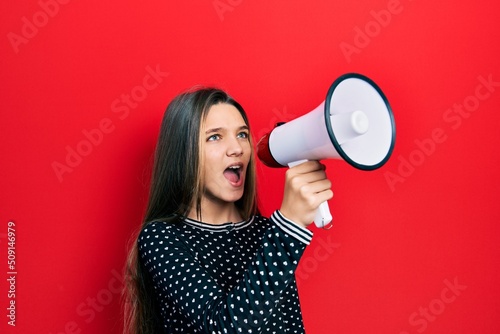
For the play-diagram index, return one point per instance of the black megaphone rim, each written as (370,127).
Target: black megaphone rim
(329,125)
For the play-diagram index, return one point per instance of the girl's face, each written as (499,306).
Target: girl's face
(226,153)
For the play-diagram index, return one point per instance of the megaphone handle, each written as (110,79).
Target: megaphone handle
(323,216)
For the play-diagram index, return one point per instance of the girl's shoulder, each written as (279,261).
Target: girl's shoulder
(157,228)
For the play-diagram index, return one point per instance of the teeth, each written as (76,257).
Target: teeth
(235,167)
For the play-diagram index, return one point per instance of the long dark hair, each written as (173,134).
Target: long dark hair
(176,187)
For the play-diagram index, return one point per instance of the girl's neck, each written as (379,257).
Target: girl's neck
(216,213)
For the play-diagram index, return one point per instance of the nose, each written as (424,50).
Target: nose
(234,149)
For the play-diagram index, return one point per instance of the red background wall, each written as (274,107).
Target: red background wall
(415,244)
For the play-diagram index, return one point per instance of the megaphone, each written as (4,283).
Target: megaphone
(354,123)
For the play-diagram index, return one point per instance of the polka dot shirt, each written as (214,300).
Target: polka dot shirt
(229,278)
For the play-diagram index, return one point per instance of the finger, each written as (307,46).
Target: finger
(316,187)
(313,201)
(310,176)
(324,196)
(308,166)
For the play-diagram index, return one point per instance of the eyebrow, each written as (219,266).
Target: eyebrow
(214,130)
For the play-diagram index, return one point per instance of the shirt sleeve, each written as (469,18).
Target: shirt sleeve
(246,307)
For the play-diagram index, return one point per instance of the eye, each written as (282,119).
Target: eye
(243,135)
(214,137)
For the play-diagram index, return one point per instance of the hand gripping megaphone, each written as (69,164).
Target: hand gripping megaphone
(354,123)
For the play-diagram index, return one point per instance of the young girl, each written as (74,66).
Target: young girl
(205,261)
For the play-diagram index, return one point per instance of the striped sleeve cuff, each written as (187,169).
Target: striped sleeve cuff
(298,232)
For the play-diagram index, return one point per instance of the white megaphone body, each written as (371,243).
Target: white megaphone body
(354,123)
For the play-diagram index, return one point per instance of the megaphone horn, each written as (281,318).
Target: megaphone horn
(354,123)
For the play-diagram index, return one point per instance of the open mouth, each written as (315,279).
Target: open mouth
(233,173)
